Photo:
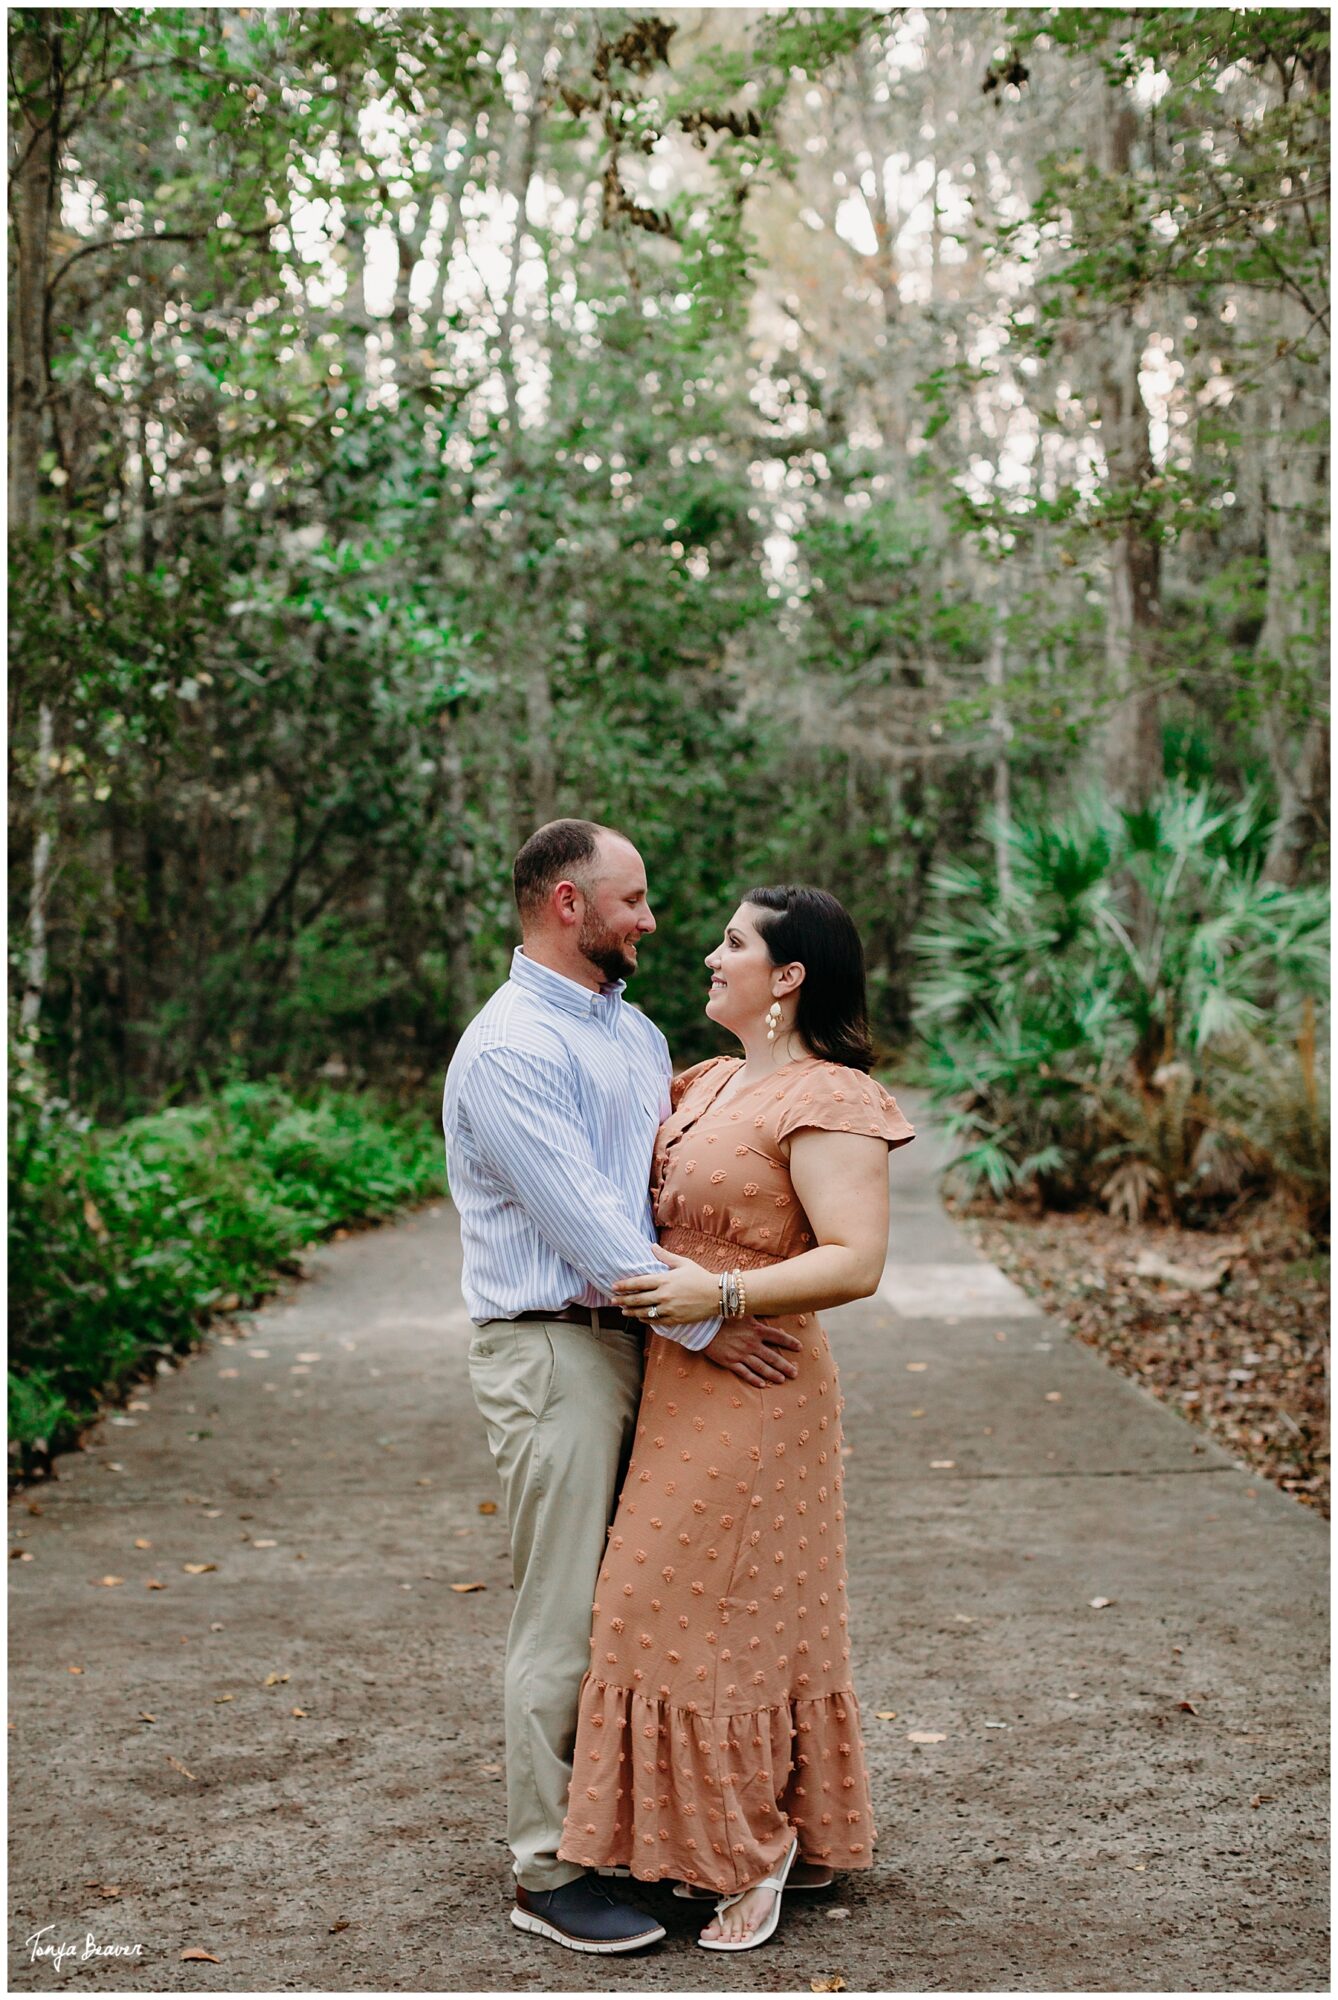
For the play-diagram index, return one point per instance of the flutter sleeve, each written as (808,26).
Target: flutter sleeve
(680,1085)
(835,1099)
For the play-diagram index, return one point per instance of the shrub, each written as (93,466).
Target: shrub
(123,1242)
(1125,1019)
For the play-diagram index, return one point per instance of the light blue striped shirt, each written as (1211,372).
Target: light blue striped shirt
(553,1100)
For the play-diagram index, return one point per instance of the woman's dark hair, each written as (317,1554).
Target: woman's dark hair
(812,928)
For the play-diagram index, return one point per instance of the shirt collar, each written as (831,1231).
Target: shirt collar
(559,991)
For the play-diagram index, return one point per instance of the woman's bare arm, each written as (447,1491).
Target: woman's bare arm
(840,1180)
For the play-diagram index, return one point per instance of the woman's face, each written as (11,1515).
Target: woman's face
(744,982)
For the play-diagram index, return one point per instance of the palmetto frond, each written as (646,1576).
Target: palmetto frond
(1124,939)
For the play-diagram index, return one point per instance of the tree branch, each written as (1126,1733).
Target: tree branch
(161,236)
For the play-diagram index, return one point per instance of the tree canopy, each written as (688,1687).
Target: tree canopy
(806,438)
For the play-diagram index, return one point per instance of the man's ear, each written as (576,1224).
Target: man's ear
(568,903)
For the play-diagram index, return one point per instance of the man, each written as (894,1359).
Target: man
(553,1100)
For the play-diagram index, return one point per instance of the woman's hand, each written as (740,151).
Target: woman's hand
(683,1293)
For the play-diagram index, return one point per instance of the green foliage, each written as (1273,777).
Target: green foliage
(331,597)
(122,1243)
(1083,1025)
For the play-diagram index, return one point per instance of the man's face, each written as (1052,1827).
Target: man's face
(617,915)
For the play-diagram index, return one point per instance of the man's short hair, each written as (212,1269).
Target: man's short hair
(565,847)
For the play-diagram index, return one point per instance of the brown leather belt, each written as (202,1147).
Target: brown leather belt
(607,1318)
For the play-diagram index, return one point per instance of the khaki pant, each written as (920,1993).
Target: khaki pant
(560,1404)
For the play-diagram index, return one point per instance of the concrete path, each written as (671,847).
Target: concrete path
(1121,1795)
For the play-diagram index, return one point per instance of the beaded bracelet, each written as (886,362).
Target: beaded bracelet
(731,1295)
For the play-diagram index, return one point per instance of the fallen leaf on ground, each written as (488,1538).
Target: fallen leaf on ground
(1188,1707)
(916,1367)
(827,1982)
(487,1506)
(1246,1363)
(274,1680)
(144,1716)
(224,1697)
(297,1711)
(886,1714)
(1100,1603)
(177,1765)
(942,1464)
(464,1588)
(142,1543)
(108,1582)
(198,1569)
(1053,1396)
(263,1542)
(1186,1277)
(152,1583)
(74,1670)
(926,1736)
(21,1555)
(195,1953)
(1262,1799)
(339,1924)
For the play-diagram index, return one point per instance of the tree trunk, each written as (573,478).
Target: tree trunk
(32,196)
(1292,645)
(459,959)
(37,73)
(1132,738)
(34,976)
(536,683)
(1002,730)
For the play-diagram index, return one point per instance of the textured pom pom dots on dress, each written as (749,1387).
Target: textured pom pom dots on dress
(718,1718)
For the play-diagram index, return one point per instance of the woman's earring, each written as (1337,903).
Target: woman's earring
(773,1020)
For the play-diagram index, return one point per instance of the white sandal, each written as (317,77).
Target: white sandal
(767,1927)
(688,1892)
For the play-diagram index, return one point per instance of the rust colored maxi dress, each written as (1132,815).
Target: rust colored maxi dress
(718,1716)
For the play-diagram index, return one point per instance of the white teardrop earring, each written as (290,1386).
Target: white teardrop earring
(773,1020)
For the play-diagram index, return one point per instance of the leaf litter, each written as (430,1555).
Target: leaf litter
(1243,1358)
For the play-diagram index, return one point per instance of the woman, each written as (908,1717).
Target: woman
(718,1738)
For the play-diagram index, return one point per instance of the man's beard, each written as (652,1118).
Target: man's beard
(605,950)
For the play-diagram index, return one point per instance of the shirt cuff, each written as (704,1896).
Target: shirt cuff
(696,1336)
